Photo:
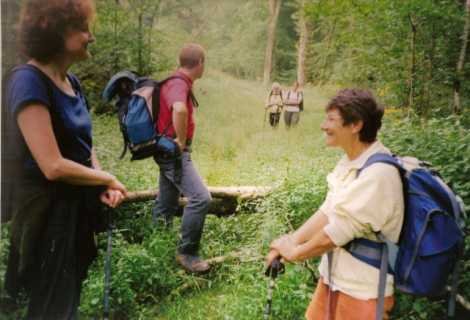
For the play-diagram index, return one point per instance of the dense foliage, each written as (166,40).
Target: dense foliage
(146,282)
(407,51)
(445,143)
(370,43)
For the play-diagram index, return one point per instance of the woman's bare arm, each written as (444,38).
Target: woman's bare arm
(35,124)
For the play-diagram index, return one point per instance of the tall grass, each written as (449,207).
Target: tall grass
(234,145)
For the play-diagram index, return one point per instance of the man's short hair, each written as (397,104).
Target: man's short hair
(356,105)
(191,55)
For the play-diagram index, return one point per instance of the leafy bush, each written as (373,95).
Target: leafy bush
(146,280)
(147,283)
(142,265)
(445,143)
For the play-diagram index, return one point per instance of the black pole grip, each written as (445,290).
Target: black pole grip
(275,268)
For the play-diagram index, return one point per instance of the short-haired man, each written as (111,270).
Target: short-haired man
(180,177)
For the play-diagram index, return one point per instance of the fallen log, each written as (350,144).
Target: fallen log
(460,299)
(218,207)
(243,192)
(464,303)
(242,256)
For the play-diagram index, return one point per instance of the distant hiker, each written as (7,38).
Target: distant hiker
(293,105)
(178,175)
(274,104)
(54,178)
(356,206)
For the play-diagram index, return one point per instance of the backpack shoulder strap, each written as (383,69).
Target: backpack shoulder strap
(382,254)
(74,82)
(156,98)
(383,158)
(78,88)
(190,94)
(161,82)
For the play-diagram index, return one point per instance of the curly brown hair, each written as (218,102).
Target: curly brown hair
(43,25)
(356,105)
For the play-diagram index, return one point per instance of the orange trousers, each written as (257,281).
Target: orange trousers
(343,306)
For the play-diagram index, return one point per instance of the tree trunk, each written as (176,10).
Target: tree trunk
(460,63)
(116,38)
(153,16)
(302,47)
(9,18)
(430,74)
(274,8)
(329,43)
(10,12)
(413,62)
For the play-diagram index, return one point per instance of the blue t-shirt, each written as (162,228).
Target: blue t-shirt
(71,120)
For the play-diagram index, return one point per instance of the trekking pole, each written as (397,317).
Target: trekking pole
(107,266)
(273,270)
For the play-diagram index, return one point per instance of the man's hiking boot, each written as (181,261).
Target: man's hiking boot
(192,264)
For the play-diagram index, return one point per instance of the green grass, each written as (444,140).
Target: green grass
(233,146)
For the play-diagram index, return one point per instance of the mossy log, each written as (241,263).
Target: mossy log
(224,199)
(243,192)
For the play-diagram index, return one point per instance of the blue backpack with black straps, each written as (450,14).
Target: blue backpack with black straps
(431,240)
(138,110)
(138,124)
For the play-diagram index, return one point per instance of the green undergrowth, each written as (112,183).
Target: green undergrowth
(296,166)
(233,147)
(146,282)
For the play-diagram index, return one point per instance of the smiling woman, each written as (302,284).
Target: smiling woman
(356,206)
(352,114)
(55,178)
(46,22)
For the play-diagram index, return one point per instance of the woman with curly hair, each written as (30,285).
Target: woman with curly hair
(58,183)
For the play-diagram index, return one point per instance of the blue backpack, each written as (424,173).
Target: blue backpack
(431,240)
(138,109)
